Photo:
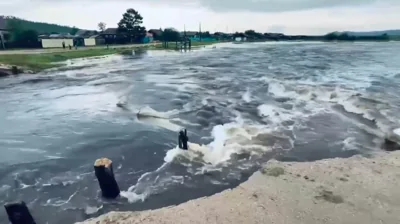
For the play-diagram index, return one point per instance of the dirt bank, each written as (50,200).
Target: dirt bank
(354,190)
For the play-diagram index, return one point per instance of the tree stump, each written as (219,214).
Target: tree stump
(105,175)
(18,213)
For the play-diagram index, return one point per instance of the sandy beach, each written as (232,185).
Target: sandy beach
(353,190)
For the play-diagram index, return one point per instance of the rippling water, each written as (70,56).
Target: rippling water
(242,105)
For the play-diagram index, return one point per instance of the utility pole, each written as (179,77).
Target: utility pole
(2,40)
(200,31)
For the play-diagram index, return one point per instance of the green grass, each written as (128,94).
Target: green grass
(39,62)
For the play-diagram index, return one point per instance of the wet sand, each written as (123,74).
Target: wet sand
(353,190)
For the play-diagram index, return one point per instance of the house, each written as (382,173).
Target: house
(157,33)
(148,38)
(189,34)
(94,41)
(111,36)
(57,40)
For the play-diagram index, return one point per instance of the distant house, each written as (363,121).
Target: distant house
(157,33)
(95,40)
(148,38)
(111,36)
(189,34)
(57,40)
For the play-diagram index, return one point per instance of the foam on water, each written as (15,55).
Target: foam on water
(247,96)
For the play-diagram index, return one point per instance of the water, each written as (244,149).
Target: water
(242,105)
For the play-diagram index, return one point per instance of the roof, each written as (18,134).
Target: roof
(155,31)
(110,31)
(85,33)
(3,23)
(189,33)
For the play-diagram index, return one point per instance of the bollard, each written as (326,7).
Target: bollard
(18,213)
(183,140)
(105,175)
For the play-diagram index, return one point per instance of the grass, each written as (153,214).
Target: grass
(38,62)
(42,61)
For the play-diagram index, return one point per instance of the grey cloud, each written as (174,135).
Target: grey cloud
(278,5)
(238,5)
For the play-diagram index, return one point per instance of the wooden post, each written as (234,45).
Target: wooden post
(18,213)
(183,140)
(105,175)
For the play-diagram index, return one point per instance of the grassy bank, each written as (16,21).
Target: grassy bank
(38,62)
(45,60)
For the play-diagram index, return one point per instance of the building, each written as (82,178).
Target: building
(95,40)
(148,38)
(157,33)
(111,36)
(189,34)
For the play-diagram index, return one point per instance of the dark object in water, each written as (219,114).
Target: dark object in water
(18,213)
(390,145)
(183,140)
(105,175)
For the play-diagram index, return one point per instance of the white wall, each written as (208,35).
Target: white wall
(90,42)
(56,43)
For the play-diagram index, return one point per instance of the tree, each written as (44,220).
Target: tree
(171,35)
(102,26)
(130,25)
(27,38)
(16,28)
(74,30)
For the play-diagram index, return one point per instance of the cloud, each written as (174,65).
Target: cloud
(231,5)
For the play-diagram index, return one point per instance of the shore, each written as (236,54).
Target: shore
(36,60)
(352,190)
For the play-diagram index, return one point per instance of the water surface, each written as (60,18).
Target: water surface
(242,105)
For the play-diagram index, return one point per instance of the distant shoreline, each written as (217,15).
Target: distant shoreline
(37,60)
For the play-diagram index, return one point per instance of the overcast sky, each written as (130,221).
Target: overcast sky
(287,16)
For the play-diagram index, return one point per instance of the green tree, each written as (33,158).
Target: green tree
(74,30)
(130,25)
(102,26)
(16,28)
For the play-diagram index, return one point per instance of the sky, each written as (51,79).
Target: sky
(311,17)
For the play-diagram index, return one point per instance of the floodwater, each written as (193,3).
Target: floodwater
(242,105)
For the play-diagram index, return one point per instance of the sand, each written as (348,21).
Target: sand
(353,190)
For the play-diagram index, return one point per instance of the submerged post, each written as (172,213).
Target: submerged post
(105,175)
(183,139)
(18,213)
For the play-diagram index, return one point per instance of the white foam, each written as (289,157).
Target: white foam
(274,113)
(397,132)
(247,96)
(133,197)
(92,210)
(150,112)
(229,139)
